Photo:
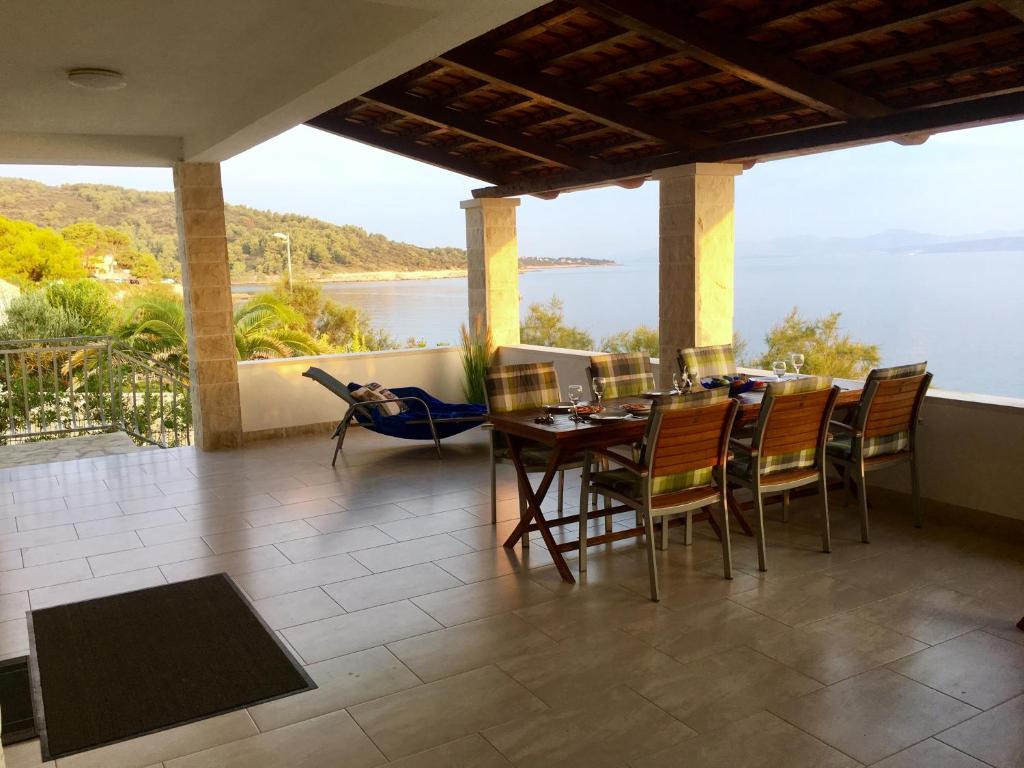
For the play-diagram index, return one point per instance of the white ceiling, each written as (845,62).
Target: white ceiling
(207,79)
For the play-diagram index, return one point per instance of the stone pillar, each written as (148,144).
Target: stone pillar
(205,277)
(493,255)
(695,254)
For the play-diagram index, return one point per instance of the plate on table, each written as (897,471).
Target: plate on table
(610,414)
(637,409)
(655,394)
(586,409)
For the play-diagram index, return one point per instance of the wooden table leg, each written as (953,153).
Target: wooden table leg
(533,501)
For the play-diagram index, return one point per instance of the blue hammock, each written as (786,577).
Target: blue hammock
(425,417)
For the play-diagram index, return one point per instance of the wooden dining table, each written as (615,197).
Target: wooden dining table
(566,438)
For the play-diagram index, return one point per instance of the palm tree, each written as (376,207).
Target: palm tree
(265,327)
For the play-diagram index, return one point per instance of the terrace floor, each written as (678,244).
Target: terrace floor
(433,646)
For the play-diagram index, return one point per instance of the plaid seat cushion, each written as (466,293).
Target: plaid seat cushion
(624,374)
(880,445)
(898,371)
(521,386)
(802,459)
(842,445)
(694,478)
(536,456)
(628,484)
(704,362)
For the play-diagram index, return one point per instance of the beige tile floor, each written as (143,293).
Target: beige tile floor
(433,646)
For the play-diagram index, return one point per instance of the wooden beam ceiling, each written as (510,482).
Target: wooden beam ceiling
(702,41)
(889,127)
(1013,7)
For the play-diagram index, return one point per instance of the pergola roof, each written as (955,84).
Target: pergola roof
(584,92)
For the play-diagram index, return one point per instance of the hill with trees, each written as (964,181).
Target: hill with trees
(319,248)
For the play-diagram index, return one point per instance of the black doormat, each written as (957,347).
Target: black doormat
(16,701)
(114,668)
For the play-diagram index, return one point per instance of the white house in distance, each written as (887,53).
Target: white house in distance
(8,292)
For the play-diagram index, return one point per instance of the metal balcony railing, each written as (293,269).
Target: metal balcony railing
(52,388)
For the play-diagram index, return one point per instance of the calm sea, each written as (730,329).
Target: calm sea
(961,312)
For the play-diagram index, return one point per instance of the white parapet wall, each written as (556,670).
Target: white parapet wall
(276,397)
(971,446)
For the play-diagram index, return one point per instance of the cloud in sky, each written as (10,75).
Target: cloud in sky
(957,183)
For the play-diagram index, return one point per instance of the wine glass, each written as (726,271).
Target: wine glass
(597,385)
(675,383)
(779,369)
(575,393)
(798,360)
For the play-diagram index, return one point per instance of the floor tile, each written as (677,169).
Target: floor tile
(468,646)
(304,493)
(67,516)
(39,538)
(342,682)
(803,599)
(250,538)
(11,560)
(87,589)
(136,559)
(358,518)
(357,631)
(391,586)
(392,556)
(25,755)
(759,741)
(931,614)
(428,525)
(498,561)
(588,611)
(234,505)
(485,598)
(193,529)
(729,686)
(69,550)
(442,502)
(885,575)
(978,668)
(333,544)
(164,501)
(621,726)
(468,752)
(486,536)
(330,740)
(847,715)
(423,717)
(931,754)
(233,563)
(13,606)
(995,737)
(293,608)
(292,578)
(44,575)
(270,515)
(13,638)
(165,745)
(832,649)
(109,525)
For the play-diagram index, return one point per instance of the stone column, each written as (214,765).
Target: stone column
(203,252)
(695,254)
(493,256)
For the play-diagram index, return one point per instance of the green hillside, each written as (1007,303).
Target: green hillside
(319,249)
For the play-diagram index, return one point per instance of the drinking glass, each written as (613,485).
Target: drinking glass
(779,369)
(597,385)
(798,360)
(575,393)
(675,383)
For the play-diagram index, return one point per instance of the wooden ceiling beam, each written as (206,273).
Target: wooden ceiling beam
(702,41)
(963,114)
(407,148)
(552,90)
(1012,7)
(480,129)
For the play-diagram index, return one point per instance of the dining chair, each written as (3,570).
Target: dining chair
(681,469)
(514,388)
(625,374)
(786,449)
(882,432)
(702,362)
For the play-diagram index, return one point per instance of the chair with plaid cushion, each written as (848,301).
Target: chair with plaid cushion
(515,388)
(625,374)
(882,432)
(681,470)
(787,448)
(705,362)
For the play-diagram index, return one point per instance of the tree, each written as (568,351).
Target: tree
(97,241)
(154,323)
(640,339)
(826,350)
(545,326)
(87,300)
(33,254)
(31,316)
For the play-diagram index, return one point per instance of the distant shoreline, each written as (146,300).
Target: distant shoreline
(415,274)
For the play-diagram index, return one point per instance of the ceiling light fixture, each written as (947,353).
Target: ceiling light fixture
(96,79)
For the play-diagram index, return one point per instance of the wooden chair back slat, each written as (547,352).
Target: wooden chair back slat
(795,422)
(691,439)
(891,408)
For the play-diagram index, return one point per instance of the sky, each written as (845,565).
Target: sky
(957,183)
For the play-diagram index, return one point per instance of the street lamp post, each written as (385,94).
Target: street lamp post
(288,249)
